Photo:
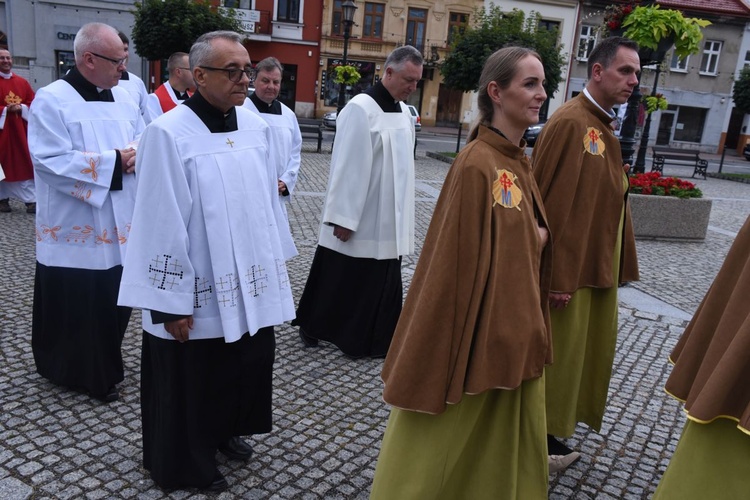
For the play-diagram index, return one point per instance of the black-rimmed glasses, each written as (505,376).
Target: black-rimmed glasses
(234,74)
(116,62)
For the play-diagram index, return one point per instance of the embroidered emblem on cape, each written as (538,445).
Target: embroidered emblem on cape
(505,191)
(165,272)
(12,98)
(80,191)
(281,274)
(230,142)
(593,143)
(47,231)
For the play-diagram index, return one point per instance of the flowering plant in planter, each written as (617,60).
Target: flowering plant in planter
(614,14)
(652,183)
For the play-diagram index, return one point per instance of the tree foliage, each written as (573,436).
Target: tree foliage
(741,91)
(163,27)
(491,30)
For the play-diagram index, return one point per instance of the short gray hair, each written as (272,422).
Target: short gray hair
(201,53)
(89,37)
(402,55)
(269,64)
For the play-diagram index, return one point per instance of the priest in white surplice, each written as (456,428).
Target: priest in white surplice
(353,294)
(131,82)
(286,138)
(206,262)
(174,91)
(80,133)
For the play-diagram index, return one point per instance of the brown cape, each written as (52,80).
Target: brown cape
(583,196)
(712,358)
(476,315)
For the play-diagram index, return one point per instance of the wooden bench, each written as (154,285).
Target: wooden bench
(679,157)
(311,129)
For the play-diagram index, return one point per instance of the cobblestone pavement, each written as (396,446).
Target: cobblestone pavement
(328,412)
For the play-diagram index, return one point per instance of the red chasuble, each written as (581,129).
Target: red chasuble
(14,148)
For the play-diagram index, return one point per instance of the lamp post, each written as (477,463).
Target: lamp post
(640,162)
(348,8)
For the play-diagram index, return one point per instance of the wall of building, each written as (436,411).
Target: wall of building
(37,30)
(566,13)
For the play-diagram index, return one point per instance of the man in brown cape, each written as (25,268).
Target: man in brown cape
(578,165)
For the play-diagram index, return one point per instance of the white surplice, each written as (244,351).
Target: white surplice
(208,238)
(371,184)
(286,145)
(136,90)
(80,223)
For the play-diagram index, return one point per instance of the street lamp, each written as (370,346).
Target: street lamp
(348,8)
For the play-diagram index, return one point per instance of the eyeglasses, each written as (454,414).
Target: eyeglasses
(116,62)
(183,69)
(234,74)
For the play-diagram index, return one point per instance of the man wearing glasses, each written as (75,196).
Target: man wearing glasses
(206,262)
(81,133)
(174,91)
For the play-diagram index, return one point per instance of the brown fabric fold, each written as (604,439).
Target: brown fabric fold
(712,358)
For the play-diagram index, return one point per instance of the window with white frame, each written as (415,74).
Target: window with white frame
(710,60)
(679,64)
(586,42)
(288,10)
(747,58)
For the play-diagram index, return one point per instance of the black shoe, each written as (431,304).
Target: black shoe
(5,206)
(111,395)
(236,449)
(555,447)
(219,484)
(307,340)
(31,208)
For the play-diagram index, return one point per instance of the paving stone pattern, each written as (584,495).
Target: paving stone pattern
(328,413)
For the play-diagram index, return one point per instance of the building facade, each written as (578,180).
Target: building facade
(562,15)
(288,30)
(40,34)
(701,114)
(379,27)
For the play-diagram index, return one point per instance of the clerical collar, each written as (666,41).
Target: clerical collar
(272,109)
(6,75)
(214,119)
(611,113)
(384,98)
(125,76)
(87,90)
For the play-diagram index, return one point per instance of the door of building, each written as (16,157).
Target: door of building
(666,123)
(448,107)
(288,93)
(734,128)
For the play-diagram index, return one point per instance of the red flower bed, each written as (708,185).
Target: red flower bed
(654,184)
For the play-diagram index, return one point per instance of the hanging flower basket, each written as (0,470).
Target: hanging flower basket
(347,75)
(655,102)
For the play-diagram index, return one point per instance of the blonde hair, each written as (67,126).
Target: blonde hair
(501,68)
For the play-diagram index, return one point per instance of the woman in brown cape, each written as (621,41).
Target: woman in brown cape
(465,370)
(711,375)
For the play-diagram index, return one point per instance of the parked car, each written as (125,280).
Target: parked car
(532,133)
(746,151)
(329,119)
(415,118)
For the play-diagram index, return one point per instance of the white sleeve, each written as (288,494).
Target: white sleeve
(57,162)
(289,176)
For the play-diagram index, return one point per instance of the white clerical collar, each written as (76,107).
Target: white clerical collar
(588,95)
(6,75)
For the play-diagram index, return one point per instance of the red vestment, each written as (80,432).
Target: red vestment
(14,147)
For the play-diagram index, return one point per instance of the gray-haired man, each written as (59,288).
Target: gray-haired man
(353,294)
